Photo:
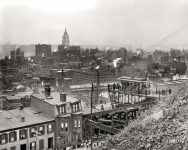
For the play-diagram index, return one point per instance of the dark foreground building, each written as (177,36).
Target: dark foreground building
(54,121)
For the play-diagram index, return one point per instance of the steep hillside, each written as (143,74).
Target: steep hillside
(163,127)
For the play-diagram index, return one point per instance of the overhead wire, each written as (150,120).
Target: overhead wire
(169,36)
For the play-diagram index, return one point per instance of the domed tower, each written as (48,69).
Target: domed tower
(65,40)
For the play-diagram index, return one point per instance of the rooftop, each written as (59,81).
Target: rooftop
(13,97)
(89,85)
(88,110)
(55,98)
(11,119)
(125,78)
(18,95)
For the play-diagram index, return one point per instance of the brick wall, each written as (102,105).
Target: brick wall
(46,108)
(28,140)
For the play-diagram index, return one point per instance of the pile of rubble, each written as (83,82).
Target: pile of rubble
(163,127)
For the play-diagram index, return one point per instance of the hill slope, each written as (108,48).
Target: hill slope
(163,127)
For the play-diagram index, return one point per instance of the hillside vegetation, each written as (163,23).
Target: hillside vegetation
(162,127)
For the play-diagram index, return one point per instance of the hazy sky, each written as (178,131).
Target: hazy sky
(99,22)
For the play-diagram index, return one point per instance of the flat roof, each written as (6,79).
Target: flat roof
(55,100)
(14,120)
(169,83)
(125,78)
(20,94)
(12,97)
(89,85)
(177,81)
(88,110)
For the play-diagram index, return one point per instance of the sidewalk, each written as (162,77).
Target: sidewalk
(89,148)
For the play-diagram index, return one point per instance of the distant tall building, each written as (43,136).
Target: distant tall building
(42,50)
(65,40)
(17,55)
(93,51)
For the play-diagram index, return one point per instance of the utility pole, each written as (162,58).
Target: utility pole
(37,134)
(92,89)
(98,87)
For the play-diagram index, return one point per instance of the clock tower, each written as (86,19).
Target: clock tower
(65,40)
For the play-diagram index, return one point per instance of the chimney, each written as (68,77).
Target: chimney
(22,119)
(63,96)
(63,76)
(47,90)
(21,107)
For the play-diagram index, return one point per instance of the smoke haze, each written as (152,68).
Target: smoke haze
(126,23)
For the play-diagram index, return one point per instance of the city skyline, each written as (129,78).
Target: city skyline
(134,23)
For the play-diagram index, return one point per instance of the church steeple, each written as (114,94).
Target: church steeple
(65,40)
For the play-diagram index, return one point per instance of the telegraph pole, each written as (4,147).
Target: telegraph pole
(98,87)
(92,89)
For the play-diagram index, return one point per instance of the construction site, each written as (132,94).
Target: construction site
(128,98)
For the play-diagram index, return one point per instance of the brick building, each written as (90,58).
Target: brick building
(12,102)
(74,51)
(66,111)
(17,55)
(93,51)
(88,76)
(42,50)
(26,129)
(69,65)
(47,61)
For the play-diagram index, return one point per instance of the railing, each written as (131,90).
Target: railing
(102,127)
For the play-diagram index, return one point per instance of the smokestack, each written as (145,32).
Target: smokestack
(22,119)
(47,90)
(63,96)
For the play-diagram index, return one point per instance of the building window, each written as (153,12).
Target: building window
(41,130)
(74,136)
(32,132)
(76,107)
(66,127)
(50,142)
(13,148)
(62,110)
(33,146)
(23,134)
(62,127)
(3,138)
(50,128)
(75,123)
(41,144)
(79,124)
(12,136)
(66,139)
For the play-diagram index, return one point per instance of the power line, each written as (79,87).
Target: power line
(184,26)
(169,36)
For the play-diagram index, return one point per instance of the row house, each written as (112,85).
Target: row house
(26,129)
(66,111)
